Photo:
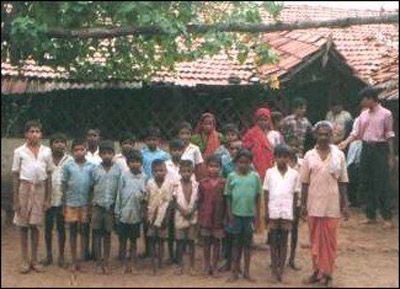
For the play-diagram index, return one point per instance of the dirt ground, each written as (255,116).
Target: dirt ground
(368,257)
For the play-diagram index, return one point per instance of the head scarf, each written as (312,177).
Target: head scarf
(256,140)
(212,140)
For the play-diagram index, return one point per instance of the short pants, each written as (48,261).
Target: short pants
(102,219)
(189,233)
(131,231)
(215,233)
(242,228)
(76,214)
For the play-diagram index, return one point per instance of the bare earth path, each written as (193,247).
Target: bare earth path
(368,257)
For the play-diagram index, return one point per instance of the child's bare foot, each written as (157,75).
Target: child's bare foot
(327,281)
(368,222)
(192,272)
(388,224)
(293,266)
(47,261)
(178,271)
(248,278)
(106,269)
(25,268)
(127,269)
(98,269)
(312,279)
(233,278)
(225,267)
(216,274)
(37,267)
(61,262)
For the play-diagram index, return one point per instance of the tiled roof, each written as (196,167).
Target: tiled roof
(371,51)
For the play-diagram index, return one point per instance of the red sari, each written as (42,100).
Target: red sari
(256,140)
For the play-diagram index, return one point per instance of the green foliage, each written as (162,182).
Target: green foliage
(128,57)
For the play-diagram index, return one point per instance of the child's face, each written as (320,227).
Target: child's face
(208,125)
(263,122)
(300,111)
(213,169)
(92,137)
(127,146)
(185,135)
(152,143)
(291,162)
(58,146)
(176,153)
(106,156)
(33,135)
(323,135)
(79,152)
(159,172)
(243,165)
(135,166)
(282,160)
(234,147)
(186,173)
(231,136)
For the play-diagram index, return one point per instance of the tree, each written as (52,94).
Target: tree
(135,39)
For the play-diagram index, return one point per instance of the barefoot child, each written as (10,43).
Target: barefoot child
(185,201)
(106,179)
(159,192)
(211,214)
(128,207)
(32,166)
(58,143)
(231,134)
(151,152)
(127,144)
(242,191)
(281,186)
(76,185)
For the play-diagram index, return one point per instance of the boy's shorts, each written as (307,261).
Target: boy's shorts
(189,233)
(215,233)
(31,199)
(102,219)
(76,214)
(242,227)
(280,224)
(154,232)
(131,231)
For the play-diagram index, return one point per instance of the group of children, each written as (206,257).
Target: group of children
(176,198)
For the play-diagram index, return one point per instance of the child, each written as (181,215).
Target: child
(242,191)
(231,134)
(281,186)
(92,152)
(191,152)
(76,185)
(228,165)
(295,164)
(128,207)
(150,153)
(58,143)
(159,192)
(127,144)
(185,201)
(32,166)
(211,213)
(106,179)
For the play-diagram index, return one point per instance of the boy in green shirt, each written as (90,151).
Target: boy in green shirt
(242,191)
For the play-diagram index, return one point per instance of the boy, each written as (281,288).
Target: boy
(58,143)
(76,185)
(231,134)
(185,201)
(92,152)
(295,164)
(191,152)
(211,213)
(150,153)
(242,190)
(159,192)
(127,144)
(32,166)
(228,165)
(128,207)
(281,187)
(106,179)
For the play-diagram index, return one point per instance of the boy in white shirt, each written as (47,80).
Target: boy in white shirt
(185,200)
(191,151)
(127,144)
(32,167)
(281,187)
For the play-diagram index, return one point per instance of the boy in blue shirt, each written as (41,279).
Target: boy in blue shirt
(106,178)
